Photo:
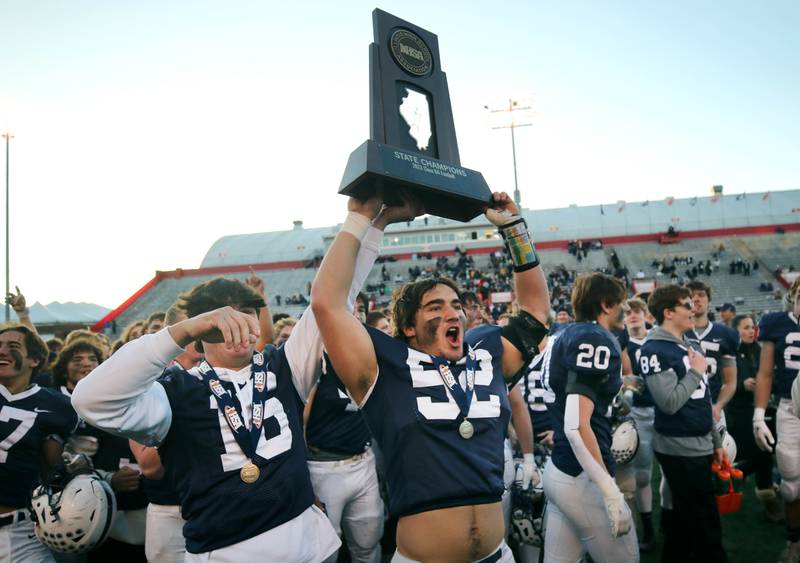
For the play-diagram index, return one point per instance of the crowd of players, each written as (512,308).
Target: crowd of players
(433,430)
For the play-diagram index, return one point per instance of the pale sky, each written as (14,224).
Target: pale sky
(146,130)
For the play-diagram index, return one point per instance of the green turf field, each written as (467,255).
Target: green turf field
(747,536)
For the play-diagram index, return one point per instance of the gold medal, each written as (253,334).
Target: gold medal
(250,472)
(466,430)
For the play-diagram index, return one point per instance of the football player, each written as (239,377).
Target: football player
(686,439)
(34,424)
(719,344)
(229,431)
(637,475)
(537,396)
(434,397)
(586,510)
(111,456)
(779,334)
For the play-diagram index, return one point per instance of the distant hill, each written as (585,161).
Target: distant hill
(69,312)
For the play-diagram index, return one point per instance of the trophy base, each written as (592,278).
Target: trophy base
(446,190)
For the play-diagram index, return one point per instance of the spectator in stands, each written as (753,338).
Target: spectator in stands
(155,322)
(727,311)
(563,315)
(283,329)
(749,457)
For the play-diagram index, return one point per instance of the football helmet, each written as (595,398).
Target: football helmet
(527,514)
(73,514)
(624,441)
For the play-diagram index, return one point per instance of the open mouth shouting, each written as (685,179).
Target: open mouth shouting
(454,337)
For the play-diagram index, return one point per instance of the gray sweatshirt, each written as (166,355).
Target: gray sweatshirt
(670,394)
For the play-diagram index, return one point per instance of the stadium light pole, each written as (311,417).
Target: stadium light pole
(513,105)
(7,136)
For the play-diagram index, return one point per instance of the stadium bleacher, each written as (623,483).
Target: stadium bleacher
(767,233)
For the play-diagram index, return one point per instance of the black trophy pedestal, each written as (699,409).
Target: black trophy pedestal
(445,190)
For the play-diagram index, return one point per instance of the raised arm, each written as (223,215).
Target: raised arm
(345,338)
(304,347)
(524,331)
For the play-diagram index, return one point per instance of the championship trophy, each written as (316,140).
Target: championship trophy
(412,142)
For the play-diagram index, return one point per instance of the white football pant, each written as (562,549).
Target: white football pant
(18,544)
(307,538)
(787,451)
(351,495)
(577,522)
(163,540)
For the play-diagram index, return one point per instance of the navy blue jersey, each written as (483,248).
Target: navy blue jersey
(161,491)
(27,419)
(415,419)
(592,354)
(204,459)
(783,330)
(335,424)
(694,417)
(535,394)
(633,347)
(716,340)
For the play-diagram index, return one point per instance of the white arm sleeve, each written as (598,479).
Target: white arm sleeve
(120,396)
(594,470)
(304,347)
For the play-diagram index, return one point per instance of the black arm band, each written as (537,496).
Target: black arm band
(580,384)
(525,332)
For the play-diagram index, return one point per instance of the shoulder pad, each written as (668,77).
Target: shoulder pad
(525,332)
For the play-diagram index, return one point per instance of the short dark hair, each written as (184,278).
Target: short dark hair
(37,349)
(157,316)
(217,293)
(736,321)
(278,316)
(697,285)
(666,297)
(408,300)
(594,290)
(470,296)
(373,317)
(59,366)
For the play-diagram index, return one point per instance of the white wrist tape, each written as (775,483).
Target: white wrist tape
(758,414)
(356,224)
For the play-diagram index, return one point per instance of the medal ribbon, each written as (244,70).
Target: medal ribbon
(231,409)
(462,397)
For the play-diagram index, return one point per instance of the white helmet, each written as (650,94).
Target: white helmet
(624,441)
(73,517)
(729,445)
